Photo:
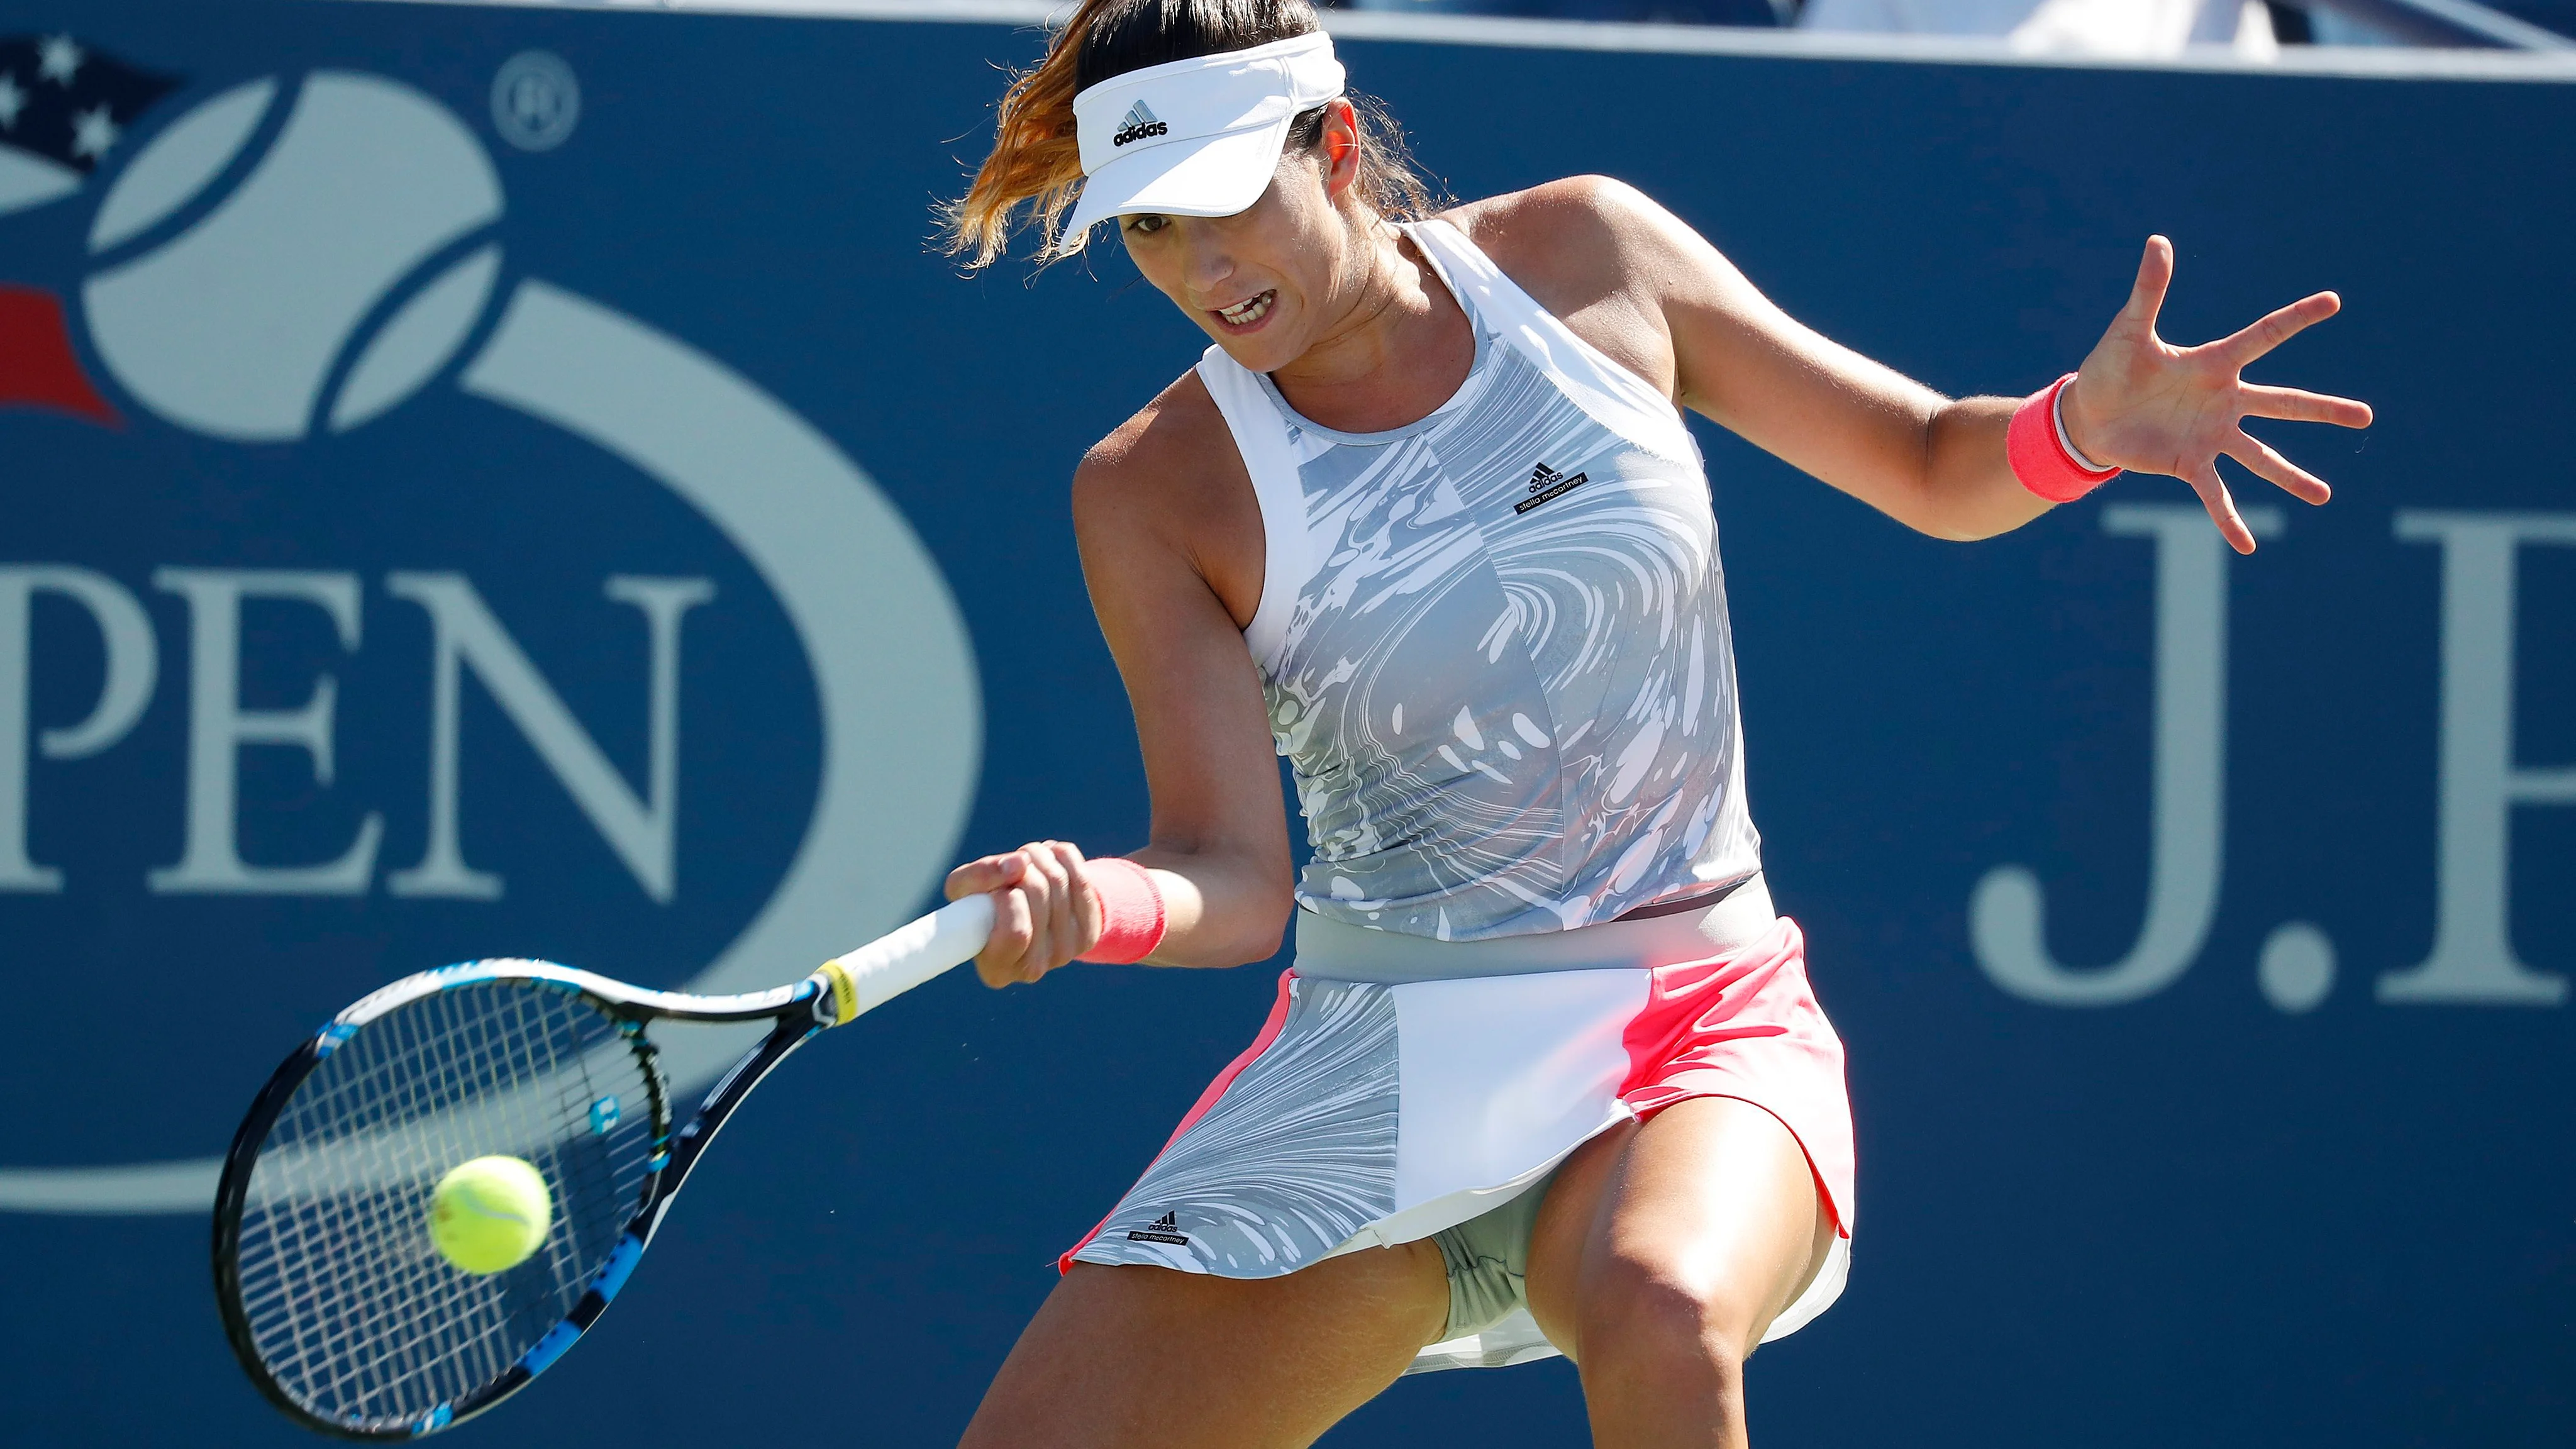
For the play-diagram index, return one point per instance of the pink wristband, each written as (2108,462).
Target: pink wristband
(1131,912)
(2039,455)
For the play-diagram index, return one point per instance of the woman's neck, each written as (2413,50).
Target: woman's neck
(1399,348)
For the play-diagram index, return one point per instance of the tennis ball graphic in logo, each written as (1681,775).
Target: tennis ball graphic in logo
(233,289)
(490,1214)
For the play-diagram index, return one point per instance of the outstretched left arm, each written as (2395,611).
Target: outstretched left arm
(1938,464)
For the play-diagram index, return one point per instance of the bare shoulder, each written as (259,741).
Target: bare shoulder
(1168,483)
(1582,235)
(1598,253)
(1167,458)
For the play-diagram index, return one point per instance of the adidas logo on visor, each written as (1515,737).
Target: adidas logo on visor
(1138,124)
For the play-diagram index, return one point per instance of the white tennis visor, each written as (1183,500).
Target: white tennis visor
(1198,137)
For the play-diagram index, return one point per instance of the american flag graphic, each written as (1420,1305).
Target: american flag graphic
(64,108)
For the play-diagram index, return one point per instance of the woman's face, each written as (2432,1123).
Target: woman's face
(1267,282)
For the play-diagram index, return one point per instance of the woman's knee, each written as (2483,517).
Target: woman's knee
(1662,1318)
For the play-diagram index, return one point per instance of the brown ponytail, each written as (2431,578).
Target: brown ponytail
(1036,160)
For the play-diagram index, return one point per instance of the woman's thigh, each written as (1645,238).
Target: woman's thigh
(1139,1357)
(1710,1204)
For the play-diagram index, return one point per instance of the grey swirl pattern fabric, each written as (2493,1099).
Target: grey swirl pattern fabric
(1508,690)
(1296,1157)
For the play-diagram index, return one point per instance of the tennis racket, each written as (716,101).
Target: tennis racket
(336,1302)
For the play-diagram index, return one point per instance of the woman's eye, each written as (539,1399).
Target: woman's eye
(1144,225)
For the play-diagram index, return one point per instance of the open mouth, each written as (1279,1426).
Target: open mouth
(1248,312)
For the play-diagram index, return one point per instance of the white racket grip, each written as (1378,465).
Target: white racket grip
(907,956)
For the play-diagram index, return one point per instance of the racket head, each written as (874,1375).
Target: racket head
(332,1295)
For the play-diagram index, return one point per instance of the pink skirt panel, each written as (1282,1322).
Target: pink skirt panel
(1747,1026)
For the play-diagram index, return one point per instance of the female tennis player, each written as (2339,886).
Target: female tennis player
(1547,1075)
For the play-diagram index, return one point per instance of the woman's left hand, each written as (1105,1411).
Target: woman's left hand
(2144,404)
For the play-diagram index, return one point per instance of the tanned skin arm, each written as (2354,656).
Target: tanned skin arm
(1637,282)
(1171,541)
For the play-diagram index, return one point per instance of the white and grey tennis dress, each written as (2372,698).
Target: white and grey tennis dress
(1496,653)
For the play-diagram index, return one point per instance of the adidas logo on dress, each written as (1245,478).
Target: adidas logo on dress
(1546,483)
(1164,1229)
(1136,125)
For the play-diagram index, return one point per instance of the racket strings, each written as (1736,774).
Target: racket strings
(352,1309)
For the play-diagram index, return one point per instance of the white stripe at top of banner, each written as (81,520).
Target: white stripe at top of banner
(2551,58)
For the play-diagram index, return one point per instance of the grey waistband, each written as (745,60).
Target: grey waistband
(1337,951)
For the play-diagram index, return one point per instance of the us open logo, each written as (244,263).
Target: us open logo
(273,279)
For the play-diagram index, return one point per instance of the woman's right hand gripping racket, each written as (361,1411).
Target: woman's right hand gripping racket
(338,1302)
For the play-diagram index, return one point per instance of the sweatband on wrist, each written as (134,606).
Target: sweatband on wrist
(2057,418)
(2041,454)
(1131,912)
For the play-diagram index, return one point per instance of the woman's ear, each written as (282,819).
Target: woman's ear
(1341,147)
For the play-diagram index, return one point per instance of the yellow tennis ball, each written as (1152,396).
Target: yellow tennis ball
(490,1213)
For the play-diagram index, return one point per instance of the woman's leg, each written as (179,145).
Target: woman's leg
(1140,1358)
(1660,1257)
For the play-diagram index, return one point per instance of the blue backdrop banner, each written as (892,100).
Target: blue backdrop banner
(518,481)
